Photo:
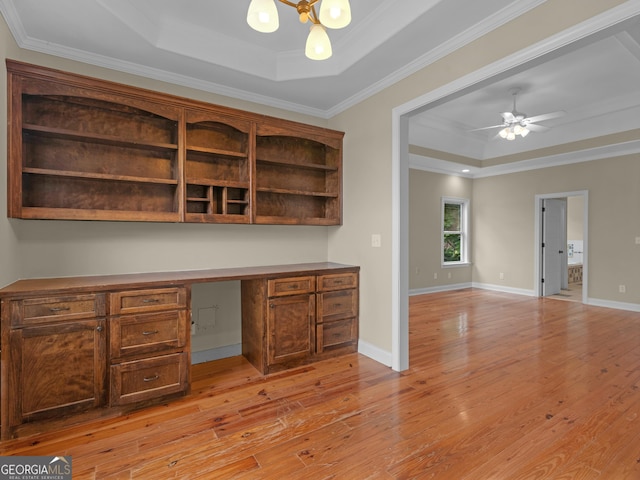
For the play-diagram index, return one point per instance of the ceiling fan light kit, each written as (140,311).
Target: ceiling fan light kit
(263,17)
(515,123)
(512,131)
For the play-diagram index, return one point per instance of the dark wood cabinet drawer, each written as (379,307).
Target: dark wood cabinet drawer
(338,304)
(291,286)
(336,334)
(34,311)
(149,333)
(151,300)
(337,281)
(150,378)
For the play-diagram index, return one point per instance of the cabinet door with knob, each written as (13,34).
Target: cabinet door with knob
(290,330)
(57,368)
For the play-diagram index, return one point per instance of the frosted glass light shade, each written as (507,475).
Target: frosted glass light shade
(263,16)
(335,13)
(318,45)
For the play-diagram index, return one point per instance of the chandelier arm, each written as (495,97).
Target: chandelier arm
(286,2)
(313,15)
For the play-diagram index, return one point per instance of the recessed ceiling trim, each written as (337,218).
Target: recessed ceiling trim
(436,165)
(491,23)
(628,42)
(26,42)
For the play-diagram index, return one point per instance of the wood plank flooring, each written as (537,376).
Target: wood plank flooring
(500,387)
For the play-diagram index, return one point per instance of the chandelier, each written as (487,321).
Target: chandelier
(263,17)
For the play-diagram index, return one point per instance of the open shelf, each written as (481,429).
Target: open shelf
(311,166)
(61,133)
(88,149)
(217,169)
(98,176)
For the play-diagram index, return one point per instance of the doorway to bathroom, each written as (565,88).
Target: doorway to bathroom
(561,246)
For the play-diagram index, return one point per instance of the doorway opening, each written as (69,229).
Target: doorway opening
(561,246)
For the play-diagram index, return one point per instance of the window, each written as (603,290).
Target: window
(455,236)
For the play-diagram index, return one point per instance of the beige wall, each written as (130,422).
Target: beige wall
(426,190)
(9,258)
(503,224)
(575,217)
(43,248)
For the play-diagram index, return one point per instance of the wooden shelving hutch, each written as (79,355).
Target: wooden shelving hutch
(88,149)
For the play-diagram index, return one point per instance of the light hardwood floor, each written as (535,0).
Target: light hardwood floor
(500,387)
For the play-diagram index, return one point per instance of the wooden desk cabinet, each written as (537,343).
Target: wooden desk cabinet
(148,338)
(103,344)
(57,347)
(295,320)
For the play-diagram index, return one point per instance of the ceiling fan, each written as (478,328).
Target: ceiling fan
(516,123)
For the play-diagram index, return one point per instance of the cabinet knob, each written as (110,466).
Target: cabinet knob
(99,328)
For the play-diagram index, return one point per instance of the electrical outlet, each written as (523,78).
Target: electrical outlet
(417,270)
(622,288)
(435,275)
(376,240)
(637,240)
(448,274)
(501,275)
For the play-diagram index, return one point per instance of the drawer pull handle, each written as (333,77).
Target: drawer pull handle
(151,379)
(59,309)
(293,287)
(150,332)
(337,304)
(151,300)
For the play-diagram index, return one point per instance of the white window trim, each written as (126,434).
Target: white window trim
(464,242)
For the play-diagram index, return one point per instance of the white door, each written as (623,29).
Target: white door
(554,244)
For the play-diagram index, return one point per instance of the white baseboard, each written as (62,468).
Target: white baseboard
(596,302)
(439,288)
(216,353)
(502,288)
(375,353)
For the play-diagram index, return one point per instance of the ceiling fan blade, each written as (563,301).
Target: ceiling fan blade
(546,116)
(508,117)
(537,128)
(487,128)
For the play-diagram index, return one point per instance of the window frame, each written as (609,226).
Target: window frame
(463,232)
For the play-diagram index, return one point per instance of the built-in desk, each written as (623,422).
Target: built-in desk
(76,344)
